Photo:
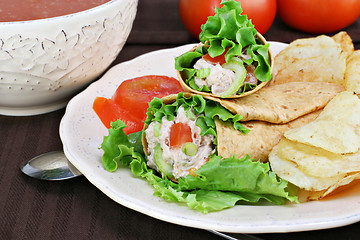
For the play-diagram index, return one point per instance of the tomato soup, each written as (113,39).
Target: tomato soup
(23,10)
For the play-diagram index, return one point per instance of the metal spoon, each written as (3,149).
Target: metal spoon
(235,236)
(50,166)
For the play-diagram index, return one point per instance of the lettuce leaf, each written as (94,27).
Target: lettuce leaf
(185,62)
(118,147)
(238,175)
(218,184)
(228,28)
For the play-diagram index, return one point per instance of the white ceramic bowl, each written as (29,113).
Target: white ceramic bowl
(43,63)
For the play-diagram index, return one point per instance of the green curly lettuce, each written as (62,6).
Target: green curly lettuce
(219,184)
(119,147)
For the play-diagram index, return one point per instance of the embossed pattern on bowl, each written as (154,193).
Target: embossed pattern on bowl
(43,63)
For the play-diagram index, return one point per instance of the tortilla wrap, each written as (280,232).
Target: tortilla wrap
(187,88)
(259,141)
(283,103)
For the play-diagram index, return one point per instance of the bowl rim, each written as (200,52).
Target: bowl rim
(96,8)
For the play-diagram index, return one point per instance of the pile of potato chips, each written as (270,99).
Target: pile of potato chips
(323,154)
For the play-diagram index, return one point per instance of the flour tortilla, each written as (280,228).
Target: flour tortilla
(275,109)
(259,141)
(283,103)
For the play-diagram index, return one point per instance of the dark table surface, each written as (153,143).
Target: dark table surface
(75,209)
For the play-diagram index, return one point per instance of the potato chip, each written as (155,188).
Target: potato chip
(345,42)
(290,171)
(337,128)
(352,73)
(319,59)
(339,186)
(323,155)
(317,162)
(312,168)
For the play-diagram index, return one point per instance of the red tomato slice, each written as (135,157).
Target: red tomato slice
(180,133)
(108,111)
(130,101)
(219,59)
(135,94)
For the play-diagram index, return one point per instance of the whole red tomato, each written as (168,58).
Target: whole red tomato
(194,13)
(320,16)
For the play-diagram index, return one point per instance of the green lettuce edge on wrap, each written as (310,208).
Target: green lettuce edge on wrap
(227,29)
(219,184)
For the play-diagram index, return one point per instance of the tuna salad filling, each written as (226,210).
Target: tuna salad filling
(176,147)
(219,79)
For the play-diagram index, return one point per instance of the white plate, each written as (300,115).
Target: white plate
(82,133)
